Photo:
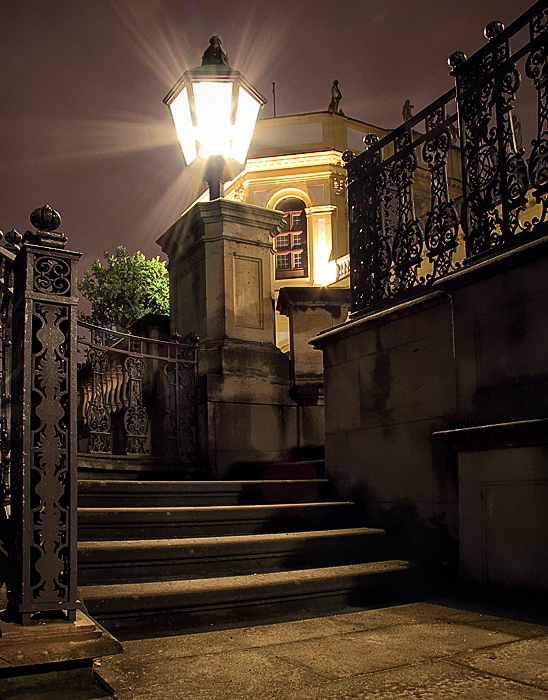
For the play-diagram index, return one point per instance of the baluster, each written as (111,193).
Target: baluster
(108,387)
(514,181)
(536,69)
(85,397)
(442,222)
(186,401)
(479,153)
(117,377)
(136,418)
(170,418)
(98,414)
(407,240)
(124,391)
(366,196)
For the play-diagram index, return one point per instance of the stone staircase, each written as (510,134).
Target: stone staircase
(166,557)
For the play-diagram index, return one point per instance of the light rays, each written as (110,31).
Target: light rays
(66,140)
(251,35)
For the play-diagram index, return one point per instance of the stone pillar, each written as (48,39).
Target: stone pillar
(221,285)
(310,310)
(320,221)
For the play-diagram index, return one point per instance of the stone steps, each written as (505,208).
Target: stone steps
(197,521)
(203,557)
(132,610)
(166,557)
(140,494)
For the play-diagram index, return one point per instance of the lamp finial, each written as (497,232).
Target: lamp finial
(215,55)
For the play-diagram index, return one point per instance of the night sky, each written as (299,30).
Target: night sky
(83,127)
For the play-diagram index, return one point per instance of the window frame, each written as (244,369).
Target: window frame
(297,238)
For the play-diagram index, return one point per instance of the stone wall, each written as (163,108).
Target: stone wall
(430,392)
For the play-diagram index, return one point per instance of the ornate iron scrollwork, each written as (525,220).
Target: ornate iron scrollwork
(52,276)
(387,245)
(494,169)
(135,418)
(43,474)
(49,464)
(536,69)
(13,240)
(481,172)
(366,189)
(407,236)
(442,222)
(97,414)
(132,380)
(171,430)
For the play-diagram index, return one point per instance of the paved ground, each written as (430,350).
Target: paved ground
(422,651)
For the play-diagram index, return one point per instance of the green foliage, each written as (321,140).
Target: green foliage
(127,288)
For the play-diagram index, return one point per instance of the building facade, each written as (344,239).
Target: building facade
(295,165)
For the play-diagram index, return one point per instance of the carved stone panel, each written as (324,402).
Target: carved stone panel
(248,292)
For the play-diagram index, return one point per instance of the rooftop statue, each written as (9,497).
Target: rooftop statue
(336,97)
(214,55)
(406,111)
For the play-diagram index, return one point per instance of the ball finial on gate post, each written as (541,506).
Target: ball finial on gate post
(46,220)
(493,29)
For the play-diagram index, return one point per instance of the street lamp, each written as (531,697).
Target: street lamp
(214,109)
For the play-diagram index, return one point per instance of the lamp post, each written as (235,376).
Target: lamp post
(214,109)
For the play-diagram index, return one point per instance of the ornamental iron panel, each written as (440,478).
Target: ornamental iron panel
(453,184)
(43,425)
(397,251)
(136,396)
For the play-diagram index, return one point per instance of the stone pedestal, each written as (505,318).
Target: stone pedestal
(310,310)
(52,658)
(221,285)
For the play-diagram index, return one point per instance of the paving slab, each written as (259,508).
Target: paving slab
(427,681)
(423,651)
(375,650)
(525,661)
(435,612)
(220,641)
(244,673)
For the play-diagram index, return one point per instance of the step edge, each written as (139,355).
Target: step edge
(230,508)
(209,541)
(188,587)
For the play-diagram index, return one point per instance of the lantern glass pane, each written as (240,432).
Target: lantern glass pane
(180,112)
(246,116)
(213,102)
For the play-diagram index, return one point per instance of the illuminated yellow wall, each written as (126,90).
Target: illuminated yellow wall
(300,156)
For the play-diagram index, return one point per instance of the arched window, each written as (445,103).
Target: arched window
(291,243)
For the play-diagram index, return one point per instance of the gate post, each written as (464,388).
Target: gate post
(44,437)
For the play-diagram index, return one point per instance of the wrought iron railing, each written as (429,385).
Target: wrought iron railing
(7,255)
(136,396)
(484,193)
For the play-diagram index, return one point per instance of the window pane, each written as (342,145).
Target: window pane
(297,240)
(282,242)
(298,221)
(298,260)
(283,262)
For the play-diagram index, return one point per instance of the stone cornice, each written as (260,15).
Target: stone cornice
(295,161)
(188,230)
